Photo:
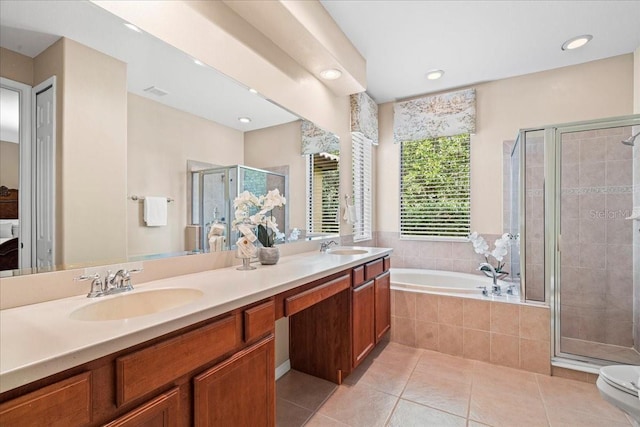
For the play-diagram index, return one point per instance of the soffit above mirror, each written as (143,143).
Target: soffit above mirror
(306,32)
(29,28)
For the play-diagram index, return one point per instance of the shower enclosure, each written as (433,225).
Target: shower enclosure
(213,192)
(577,185)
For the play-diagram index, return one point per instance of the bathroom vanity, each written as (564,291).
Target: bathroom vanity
(210,362)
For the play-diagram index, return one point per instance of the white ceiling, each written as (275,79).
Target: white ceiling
(29,27)
(477,41)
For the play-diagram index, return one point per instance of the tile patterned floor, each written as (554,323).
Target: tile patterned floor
(405,386)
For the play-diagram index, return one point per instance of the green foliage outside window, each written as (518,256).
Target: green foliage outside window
(435,187)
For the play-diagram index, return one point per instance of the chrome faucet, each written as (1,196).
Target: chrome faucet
(114,283)
(118,282)
(325,245)
(495,289)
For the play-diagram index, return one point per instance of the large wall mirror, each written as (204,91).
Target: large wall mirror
(129,117)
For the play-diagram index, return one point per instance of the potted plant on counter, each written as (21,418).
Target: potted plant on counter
(263,219)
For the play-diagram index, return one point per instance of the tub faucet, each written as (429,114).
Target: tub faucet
(495,288)
(325,245)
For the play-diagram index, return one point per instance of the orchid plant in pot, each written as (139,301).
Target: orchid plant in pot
(252,212)
(480,246)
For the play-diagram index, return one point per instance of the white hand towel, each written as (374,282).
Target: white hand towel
(155,211)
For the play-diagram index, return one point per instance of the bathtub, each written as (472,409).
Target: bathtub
(419,280)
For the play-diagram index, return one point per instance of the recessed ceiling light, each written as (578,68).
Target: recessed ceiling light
(330,74)
(576,42)
(252,90)
(244,119)
(434,74)
(198,62)
(133,27)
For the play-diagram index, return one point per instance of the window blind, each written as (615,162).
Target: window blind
(323,193)
(361,164)
(435,187)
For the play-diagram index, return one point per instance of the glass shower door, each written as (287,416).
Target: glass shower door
(595,289)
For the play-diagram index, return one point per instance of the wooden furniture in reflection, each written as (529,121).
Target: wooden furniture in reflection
(9,254)
(9,210)
(8,203)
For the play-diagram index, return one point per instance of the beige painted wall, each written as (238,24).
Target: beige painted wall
(91,151)
(567,94)
(9,164)
(279,146)
(160,141)
(636,81)
(16,66)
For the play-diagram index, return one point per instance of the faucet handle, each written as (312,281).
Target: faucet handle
(96,284)
(86,277)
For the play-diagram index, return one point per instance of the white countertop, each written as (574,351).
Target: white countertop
(41,339)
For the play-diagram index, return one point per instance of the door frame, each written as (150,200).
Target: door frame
(46,84)
(25,181)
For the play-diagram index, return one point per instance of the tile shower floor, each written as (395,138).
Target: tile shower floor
(405,386)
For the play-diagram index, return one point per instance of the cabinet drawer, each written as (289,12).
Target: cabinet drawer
(148,369)
(306,299)
(372,269)
(358,276)
(259,320)
(387,263)
(64,403)
(161,411)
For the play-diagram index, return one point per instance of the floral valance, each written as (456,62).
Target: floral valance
(364,116)
(317,140)
(434,116)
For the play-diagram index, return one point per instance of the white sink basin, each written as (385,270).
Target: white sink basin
(347,251)
(136,304)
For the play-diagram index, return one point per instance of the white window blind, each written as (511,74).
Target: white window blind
(435,187)
(323,192)
(361,157)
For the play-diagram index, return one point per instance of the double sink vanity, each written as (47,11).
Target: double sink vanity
(196,349)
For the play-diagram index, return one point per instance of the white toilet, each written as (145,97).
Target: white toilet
(618,385)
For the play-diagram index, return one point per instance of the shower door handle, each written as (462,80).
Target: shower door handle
(559,248)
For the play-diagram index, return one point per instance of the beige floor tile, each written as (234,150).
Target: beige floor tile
(489,377)
(318,420)
(359,405)
(502,407)
(394,352)
(304,390)
(475,424)
(439,393)
(290,415)
(386,377)
(446,366)
(560,417)
(568,395)
(410,414)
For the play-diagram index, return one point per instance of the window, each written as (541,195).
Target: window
(361,150)
(435,187)
(323,193)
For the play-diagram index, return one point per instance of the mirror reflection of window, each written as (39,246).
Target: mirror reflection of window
(323,189)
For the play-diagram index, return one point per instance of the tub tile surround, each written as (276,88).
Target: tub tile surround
(457,256)
(507,334)
(403,386)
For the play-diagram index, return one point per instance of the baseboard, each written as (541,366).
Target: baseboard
(283,369)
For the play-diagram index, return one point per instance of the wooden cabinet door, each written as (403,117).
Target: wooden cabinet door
(163,411)
(383,304)
(363,321)
(239,391)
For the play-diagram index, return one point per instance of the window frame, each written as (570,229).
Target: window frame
(309,210)
(362,180)
(463,233)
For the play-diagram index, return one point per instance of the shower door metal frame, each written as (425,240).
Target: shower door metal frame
(553,236)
